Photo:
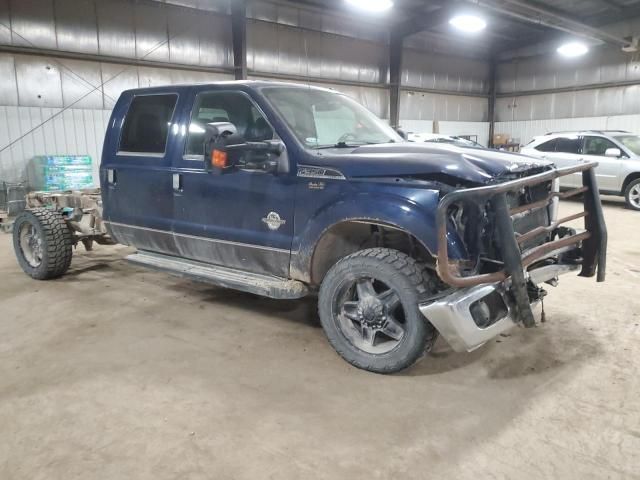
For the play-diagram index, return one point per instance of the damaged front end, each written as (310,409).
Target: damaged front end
(514,242)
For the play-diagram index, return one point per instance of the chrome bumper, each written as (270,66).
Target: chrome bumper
(452,316)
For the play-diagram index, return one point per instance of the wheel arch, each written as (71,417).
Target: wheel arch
(348,236)
(629,178)
(350,221)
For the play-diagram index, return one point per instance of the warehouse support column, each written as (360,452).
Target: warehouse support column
(239,38)
(395,78)
(493,75)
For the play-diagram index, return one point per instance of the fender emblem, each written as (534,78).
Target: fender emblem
(273,221)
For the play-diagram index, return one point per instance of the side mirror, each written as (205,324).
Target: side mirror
(264,156)
(613,153)
(217,137)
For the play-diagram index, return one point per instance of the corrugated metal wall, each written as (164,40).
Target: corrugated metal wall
(598,91)
(429,106)
(72,132)
(597,73)
(172,42)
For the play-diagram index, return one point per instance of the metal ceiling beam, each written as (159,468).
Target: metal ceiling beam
(493,90)
(239,38)
(395,78)
(542,16)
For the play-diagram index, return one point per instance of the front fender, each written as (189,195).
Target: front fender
(414,214)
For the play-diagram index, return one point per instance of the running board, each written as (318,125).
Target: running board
(265,285)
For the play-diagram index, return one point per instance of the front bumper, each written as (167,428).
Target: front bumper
(453,317)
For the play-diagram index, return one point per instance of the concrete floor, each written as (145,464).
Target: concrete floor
(114,372)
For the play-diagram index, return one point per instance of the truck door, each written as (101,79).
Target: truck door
(136,172)
(609,169)
(242,219)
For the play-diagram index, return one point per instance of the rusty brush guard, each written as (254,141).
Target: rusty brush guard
(516,260)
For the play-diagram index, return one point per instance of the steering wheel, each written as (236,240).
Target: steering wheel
(347,136)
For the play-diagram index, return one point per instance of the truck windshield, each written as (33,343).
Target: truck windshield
(323,119)
(632,142)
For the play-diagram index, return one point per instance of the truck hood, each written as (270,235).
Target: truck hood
(429,162)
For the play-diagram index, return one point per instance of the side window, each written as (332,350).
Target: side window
(568,145)
(597,145)
(212,107)
(146,125)
(549,146)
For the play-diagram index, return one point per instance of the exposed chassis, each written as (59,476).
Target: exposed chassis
(82,210)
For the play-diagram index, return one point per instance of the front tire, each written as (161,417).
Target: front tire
(43,243)
(632,195)
(368,306)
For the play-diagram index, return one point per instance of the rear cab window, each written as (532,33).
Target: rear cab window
(146,125)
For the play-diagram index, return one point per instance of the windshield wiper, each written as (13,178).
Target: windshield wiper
(345,145)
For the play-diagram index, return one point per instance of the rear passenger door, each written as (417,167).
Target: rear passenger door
(137,189)
(242,219)
(567,154)
(609,169)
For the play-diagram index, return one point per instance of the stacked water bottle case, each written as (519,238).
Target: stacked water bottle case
(61,172)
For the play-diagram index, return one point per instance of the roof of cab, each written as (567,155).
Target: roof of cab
(252,84)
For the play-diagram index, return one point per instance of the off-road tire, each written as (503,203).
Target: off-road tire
(57,243)
(412,283)
(633,185)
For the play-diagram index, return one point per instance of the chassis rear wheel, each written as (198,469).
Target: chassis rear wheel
(43,243)
(368,305)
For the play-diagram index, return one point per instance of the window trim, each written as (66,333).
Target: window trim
(190,157)
(127,153)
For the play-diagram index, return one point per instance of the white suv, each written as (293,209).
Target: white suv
(617,153)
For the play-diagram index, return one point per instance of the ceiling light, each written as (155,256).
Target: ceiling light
(573,49)
(372,5)
(468,23)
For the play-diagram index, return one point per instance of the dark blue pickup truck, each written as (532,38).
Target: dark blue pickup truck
(285,191)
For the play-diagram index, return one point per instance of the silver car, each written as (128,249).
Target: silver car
(617,153)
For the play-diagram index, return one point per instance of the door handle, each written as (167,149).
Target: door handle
(177,182)
(111,176)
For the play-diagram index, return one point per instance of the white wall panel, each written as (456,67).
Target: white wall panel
(73,132)
(552,71)
(479,129)
(431,106)
(432,71)
(284,50)
(579,103)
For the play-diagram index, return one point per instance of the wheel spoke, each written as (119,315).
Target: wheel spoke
(368,335)
(390,299)
(393,329)
(350,310)
(365,288)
